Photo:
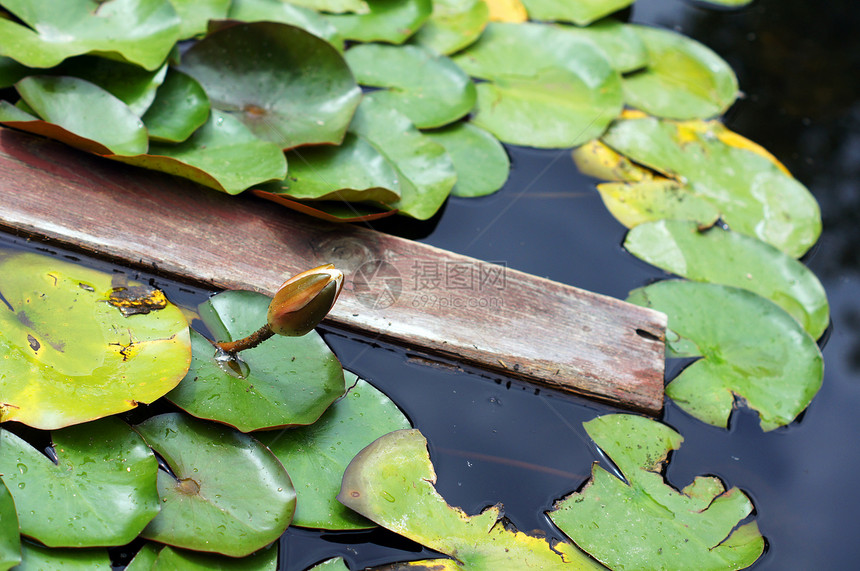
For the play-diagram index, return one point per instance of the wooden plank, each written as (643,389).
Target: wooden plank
(397,290)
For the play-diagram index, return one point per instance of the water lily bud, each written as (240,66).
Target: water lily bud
(303,300)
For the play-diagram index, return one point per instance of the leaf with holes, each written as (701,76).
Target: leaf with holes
(546,86)
(750,348)
(317,455)
(285,381)
(285,84)
(230,495)
(100,491)
(392,482)
(641,522)
(79,344)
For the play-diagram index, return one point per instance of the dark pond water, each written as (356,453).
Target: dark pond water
(495,441)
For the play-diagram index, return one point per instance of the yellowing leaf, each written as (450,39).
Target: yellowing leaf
(507,11)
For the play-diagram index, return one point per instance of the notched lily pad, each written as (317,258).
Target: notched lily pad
(317,455)
(69,355)
(391,21)
(720,256)
(100,491)
(228,493)
(545,86)
(285,84)
(392,483)
(644,523)
(285,381)
(750,349)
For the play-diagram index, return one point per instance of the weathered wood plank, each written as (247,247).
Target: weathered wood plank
(397,290)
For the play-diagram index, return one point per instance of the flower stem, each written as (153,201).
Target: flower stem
(248,342)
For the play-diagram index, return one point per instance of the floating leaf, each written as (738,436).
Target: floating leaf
(597,160)
(580,12)
(481,161)
(70,354)
(138,31)
(391,482)
(656,199)
(223,154)
(330,211)
(642,523)
(278,11)
(684,79)
(170,559)
(145,558)
(317,455)
(335,6)
(750,348)
(335,564)
(754,195)
(230,494)
(426,172)
(286,84)
(286,381)
(195,15)
(453,25)
(79,113)
(620,43)
(38,558)
(429,89)
(10,538)
(720,256)
(391,21)
(729,3)
(507,11)
(546,86)
(180,107)
(11,71)
(100,491)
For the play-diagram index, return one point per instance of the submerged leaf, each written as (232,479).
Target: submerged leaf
(755,196)
(580,12)
(317,455)
(285,84)
(684,79)
(642,523)
(720,256)
(138,31)
(285,381)
(392,483)
(230,494)
(100,491)
(453,25)
(750,348)
(481,161)
(391,21)
(429,89)
(546,86)
(69,352)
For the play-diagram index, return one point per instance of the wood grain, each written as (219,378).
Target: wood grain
(396,290)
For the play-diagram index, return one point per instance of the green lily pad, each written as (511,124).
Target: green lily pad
(278,11)
(391,21)
(546,86)
(645,524)
(37,558)
(10,538)
(138,31)
(729,3)
(223,154)
(392,483)
(354,172)
(81,114)
(11,72)
(720,256)
(145,558)
(335,6)
(195,15)
(285,381)
(481,162)
(656,199)
(453,25)
(750,348)
(425,170)
(755,196)
(170,559)
(620,43)
(230,494)
(180,107)
(287,85)
(69,352)
(335,564)
(581,12)
(429,89)
(684,79)
(100,492)
(317,455)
